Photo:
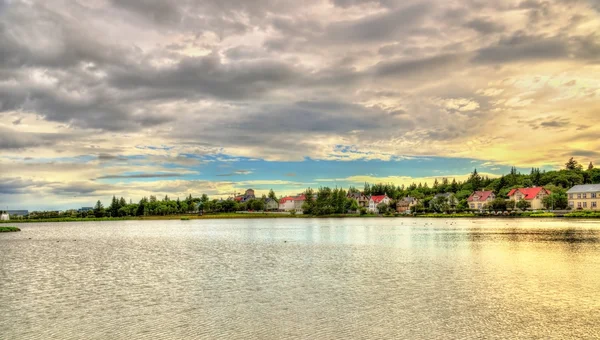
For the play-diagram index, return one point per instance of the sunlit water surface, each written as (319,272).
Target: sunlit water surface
(301,279)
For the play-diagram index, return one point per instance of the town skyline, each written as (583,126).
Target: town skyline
(134,98)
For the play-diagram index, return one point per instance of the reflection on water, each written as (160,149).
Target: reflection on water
(304,278)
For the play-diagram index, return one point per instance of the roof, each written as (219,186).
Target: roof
(584,188)
(378,198)
(483,195)
(529,193)
(447,195)
(406,201)
(290,198)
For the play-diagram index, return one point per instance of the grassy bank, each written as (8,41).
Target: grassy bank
(578,214)
(8,229)
(583,214)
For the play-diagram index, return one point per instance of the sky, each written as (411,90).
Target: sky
(140,97)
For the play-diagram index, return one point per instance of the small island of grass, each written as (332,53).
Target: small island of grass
(8,229)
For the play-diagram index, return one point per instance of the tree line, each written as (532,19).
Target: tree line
(326,201)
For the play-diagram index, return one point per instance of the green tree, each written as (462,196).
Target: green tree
(558,199)
(308,207)
(475,180)
(498,204)
(523,204)
(353,205)
(273,196)
(99,209)
(573,165)
(382,208)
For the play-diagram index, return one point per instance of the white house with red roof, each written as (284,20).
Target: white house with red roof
(374,201)
(290,203)
(480,199)
(533,195)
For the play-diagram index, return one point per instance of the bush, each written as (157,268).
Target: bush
(8,229)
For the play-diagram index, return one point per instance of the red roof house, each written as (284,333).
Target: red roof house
(528,193)
(481,196)
(533,195)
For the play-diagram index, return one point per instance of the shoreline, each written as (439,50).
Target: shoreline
(286,216)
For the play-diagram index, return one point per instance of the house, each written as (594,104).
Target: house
(290,203)
(360,198)
(405,205)
(20,213)
(584,196)
(271,204)
(248,195)
(4,216)
(450,199)
(533,195)
(480,199)
(374,201)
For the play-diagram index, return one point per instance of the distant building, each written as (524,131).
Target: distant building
(374,201)
(405,205)
(290,203)
(271,204)
(532,195)
(17,212)
(480,199)
(4,216)
(584,196)
(450,198)
(360,198)
(248,195)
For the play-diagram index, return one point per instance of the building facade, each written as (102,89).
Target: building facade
(584,197)
(480,199)
(360,198)
(248,195)
(534,196)
(450,199)
(374,201)
(290,203)
(271,204)
(405,205)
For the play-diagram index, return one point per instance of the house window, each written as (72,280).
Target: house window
(571,204)
(472,206)
(594,205)
(593,195)
(479,205)
(571,196)
(578,204)
(578,195)
(584,195)
(585,204)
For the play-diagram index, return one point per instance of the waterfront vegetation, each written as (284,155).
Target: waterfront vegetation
(583,214)
(8,229)
(334,202)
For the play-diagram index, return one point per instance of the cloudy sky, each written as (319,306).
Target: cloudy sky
(133,97)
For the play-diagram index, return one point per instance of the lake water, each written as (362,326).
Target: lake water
(302,279)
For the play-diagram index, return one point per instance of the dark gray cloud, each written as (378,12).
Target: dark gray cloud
(423,66)
(484,26)
(208,76)
(18,185)
(378,27)
(11,139)
(522,47)
(103,157)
